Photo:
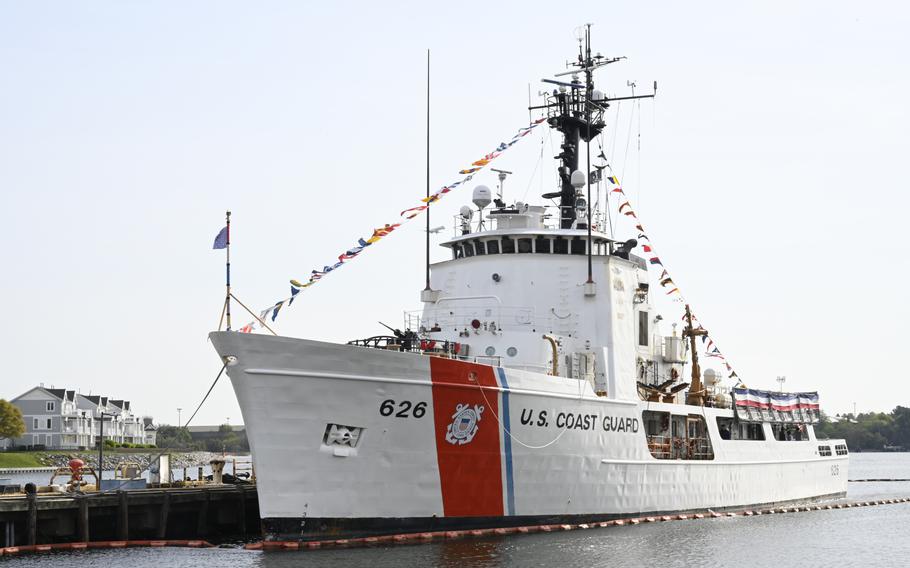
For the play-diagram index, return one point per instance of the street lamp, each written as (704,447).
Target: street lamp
(101,450)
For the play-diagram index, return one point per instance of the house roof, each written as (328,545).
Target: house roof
(59,393)
(56,393)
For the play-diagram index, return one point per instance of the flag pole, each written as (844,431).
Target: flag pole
(227,297)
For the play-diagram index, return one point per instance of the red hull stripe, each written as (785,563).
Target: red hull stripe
(467,438)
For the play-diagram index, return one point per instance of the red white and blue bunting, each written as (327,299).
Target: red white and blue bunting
(768,406)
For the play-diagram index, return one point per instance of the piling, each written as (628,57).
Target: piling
(163,512)
(32,528)
(82,524)
(123,507)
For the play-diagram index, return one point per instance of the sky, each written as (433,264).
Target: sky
(770,174)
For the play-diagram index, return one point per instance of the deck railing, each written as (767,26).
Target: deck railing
(668,448)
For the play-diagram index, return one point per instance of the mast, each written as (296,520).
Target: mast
(227,297)
(589,88)
(428,172)
(696,390)
(576,110)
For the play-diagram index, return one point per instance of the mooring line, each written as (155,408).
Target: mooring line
(167,450)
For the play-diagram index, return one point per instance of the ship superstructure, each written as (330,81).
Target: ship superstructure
(536,384)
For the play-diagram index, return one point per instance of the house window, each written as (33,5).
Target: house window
(34,423)
(643,328)
(50,406)
(48,423)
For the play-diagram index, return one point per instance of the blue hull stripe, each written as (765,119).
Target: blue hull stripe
(507,442)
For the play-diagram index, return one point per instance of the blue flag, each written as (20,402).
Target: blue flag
(221,241)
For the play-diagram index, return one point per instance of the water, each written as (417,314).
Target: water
(867,536)
(176,473)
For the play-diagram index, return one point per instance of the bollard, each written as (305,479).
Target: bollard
(217,470)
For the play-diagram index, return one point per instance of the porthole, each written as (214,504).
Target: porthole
(490,351)
(511,352)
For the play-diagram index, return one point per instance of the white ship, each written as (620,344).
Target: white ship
(534,387)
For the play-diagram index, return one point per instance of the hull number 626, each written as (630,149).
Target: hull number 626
(403,409)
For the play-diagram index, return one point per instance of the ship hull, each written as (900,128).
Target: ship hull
(309,528)
(350,441)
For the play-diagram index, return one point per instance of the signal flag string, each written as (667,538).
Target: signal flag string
(316,275)
(665,280)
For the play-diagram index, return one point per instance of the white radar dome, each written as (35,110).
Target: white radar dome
(482,196)
(711,377)
(578,179)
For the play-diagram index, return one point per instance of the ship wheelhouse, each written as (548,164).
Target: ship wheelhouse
(513,294)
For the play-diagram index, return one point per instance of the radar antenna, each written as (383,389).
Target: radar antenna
(502,179)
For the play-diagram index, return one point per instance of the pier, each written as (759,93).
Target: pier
(217,511)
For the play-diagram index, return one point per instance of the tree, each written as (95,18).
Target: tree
(12,425)
(173,437)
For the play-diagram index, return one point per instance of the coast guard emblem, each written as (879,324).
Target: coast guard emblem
(464,424)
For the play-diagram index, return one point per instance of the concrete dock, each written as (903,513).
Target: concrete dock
(216,512)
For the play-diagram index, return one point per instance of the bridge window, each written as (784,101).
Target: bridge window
(733,430)
(560,246)
(643,328)
(578,246)
(457,250)
(789,432)
(508,245)
(479,248)
(492,247)
(542,245)
(824,451)
(524,245)
(841,449)
(468,250)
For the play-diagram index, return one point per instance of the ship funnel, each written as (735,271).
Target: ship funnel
(482,196)
(578,179)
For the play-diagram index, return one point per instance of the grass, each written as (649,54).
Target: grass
(20,459)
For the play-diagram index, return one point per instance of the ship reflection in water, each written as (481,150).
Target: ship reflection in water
(868,536)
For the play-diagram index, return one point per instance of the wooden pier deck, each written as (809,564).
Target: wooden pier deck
(216,512)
